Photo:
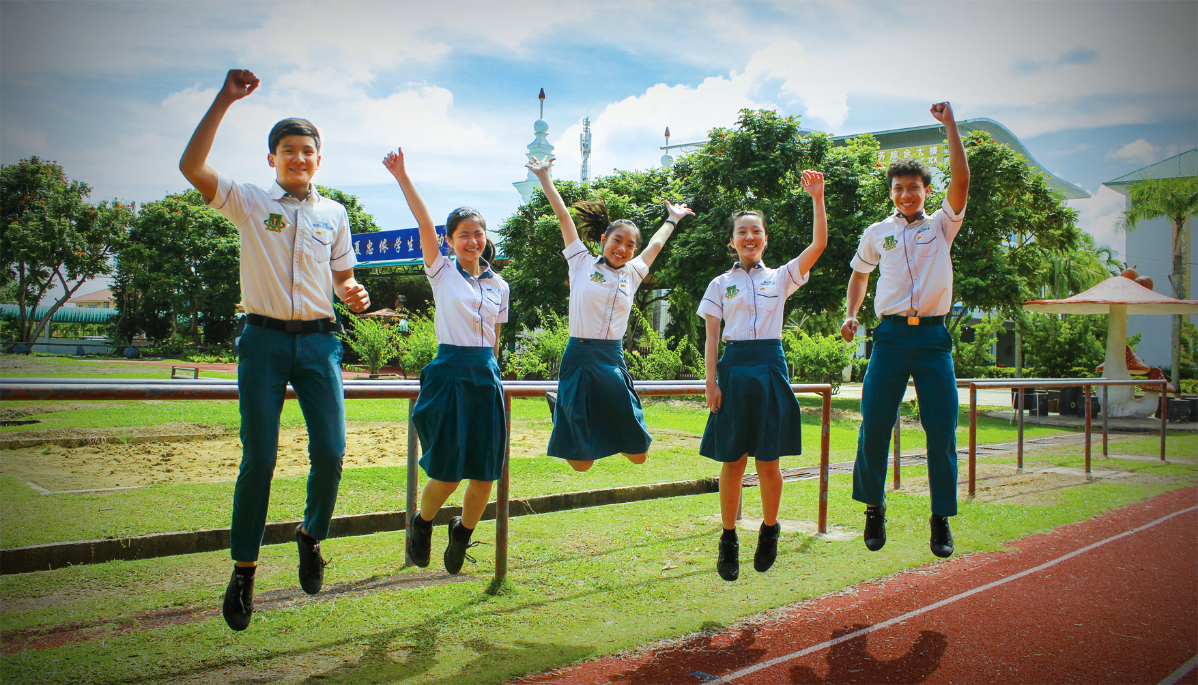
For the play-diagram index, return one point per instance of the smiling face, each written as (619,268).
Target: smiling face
(295,161)
(908,193)
(468,241)
(749,238)
(619,245)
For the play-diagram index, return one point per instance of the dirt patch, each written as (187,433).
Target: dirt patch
(20,411)
(100,436)
(110,463)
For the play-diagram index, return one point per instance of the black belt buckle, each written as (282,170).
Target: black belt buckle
(294,326)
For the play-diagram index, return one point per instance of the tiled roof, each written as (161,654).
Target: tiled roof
(1177,166)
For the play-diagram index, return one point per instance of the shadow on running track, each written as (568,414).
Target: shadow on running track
(851,662)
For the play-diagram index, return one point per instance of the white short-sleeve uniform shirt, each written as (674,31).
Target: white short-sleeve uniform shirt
(751,303)
(289,248)
(600,296)
(916,267)
(468,308)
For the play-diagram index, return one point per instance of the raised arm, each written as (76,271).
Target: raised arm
(813,183)
(541,168)
(663,234)
(958,187)
(194,163)
(428,232)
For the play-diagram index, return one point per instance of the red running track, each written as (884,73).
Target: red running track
(1111,600)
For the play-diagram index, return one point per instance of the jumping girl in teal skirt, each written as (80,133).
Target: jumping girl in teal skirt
(753,411)
(459,414)
(598,413)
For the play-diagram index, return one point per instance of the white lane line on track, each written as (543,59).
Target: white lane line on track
(922,610)
(1176,676)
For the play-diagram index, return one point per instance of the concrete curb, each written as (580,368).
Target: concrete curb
(63,554)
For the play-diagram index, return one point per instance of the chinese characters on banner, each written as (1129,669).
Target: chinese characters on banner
(928,154)
(388,246)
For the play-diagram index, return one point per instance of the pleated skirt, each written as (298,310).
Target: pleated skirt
(759,414)
(459,415)
(598,412)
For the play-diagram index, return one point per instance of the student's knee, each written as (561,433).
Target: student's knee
(580,466)
(735,467)
(637,458)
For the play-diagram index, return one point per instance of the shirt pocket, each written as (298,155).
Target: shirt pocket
(926,245)
(322,245)
(768,297)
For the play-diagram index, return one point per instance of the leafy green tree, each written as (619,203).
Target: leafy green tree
(971,359)
(540,352)
(1069,272)
(1014,223)
(181,263)
(657,358)
(1071,347)
(817,358)
(756,164)
(50,236)
(373,339)
(532,240)
(420,346)
(360,220)
(1176,199)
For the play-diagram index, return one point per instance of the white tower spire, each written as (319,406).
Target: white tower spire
(538,148)
(585,146)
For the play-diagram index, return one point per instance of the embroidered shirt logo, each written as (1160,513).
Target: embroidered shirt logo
(731,292)
(598,277)
(890,243)
(274,223)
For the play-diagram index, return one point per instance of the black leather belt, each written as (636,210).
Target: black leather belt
(292,326)
(914,320)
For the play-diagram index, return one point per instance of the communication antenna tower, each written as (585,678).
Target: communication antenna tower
(585,146)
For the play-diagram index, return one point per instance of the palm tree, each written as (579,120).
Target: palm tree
(1071,271)
(1177,200)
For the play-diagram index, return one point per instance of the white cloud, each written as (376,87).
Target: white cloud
(1099,214)
(1140,151)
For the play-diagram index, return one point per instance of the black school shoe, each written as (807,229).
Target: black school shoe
(239,601)
(728,563)
(875,527)
(420,541)
(942,537)
(459,542)
(767,547)
(311,564)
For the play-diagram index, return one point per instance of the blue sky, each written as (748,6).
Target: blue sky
(112,90)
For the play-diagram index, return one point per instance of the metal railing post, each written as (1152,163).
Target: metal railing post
(898,452)
(1019,443)
(501,502)
(825,441)
(973,437)
(1104,422)
(1164,416)
(1086,399)
(413,484)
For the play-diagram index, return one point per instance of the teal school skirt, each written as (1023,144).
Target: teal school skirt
(759,415)
(598,412)
(459,415)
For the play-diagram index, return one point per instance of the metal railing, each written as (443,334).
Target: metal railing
(26,389)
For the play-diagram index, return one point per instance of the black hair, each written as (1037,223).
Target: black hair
(909,166)
(459,215)
(292,127)
(732,225)
(594,222)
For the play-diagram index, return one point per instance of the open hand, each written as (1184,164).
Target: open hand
(540,167)
(942,112)
(238,84)
(394,163)
(677,211)
(813,183)
(355,297)
(848,330)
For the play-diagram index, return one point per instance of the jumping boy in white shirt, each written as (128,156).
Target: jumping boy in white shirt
(914,295)
(295,251)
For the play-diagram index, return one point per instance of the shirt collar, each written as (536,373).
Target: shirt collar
(278,192)
(487,273)
(758,265)
(899,215)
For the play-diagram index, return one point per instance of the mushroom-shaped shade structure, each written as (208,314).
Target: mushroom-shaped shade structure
(384,313)
(1117,296)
